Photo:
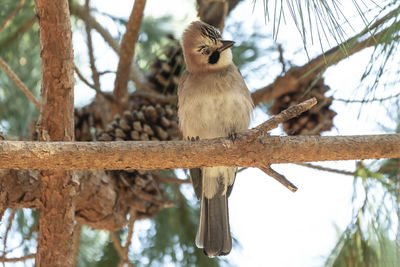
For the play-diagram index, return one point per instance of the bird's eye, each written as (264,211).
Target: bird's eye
(204,49)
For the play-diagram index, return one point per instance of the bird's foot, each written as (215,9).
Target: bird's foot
(233,136)
(193,138)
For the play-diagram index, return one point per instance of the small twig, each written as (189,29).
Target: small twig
(120,250)
(320,168)
(24,258)
(131,223)
(10,220)
(11,16)
(83,79)
(281,59)
(77,238)
(88,28)
(21,29)
(106,72)
(285,115)
(19,83)
(117,244)
(279,177)
(363,101)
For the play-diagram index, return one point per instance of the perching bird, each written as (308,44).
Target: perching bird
(213,102)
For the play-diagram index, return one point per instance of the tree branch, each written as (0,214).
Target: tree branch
(12,15)
(95,73)
(128,49)
(135,74)
(321,168)
(285,115)
(182,154)
(23,258)
(21,29)
(19,83)
(289,82)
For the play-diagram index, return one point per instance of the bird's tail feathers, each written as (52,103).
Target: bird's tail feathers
(213,234)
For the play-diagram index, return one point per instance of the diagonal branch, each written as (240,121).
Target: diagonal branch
(95,73)
(19,83)
(20,30)
(128,48)
(79,11)
(321,168)
(12,15)
(279,177)
(285,115)
(289,82)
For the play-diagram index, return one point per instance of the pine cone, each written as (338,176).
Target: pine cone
(312,122)
(164,73)
(143,121)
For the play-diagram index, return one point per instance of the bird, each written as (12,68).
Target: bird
(213,101)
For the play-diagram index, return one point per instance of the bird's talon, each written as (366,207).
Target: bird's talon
(233,136)
(197,138)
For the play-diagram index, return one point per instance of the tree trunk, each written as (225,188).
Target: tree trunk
(56,123)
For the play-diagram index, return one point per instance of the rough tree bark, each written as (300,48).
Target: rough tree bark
(56,123)
(121,155)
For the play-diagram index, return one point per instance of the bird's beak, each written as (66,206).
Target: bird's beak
(225,45)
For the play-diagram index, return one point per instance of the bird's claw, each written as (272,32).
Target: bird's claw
(193,138)
(233,136)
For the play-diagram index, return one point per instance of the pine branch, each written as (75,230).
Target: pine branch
(121,155)
(19,83)
(88,28)
(24,27)
(289,82)
(320,168)
(9,224)
(136,75)
(364,101)
(79,11)
(285,115)
(11,16)
(83,79)
(128,48)
(23,258)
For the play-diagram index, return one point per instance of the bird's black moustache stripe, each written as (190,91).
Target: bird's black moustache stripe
(211,33)
(214,57)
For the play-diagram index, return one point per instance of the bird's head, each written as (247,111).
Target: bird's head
(203,48)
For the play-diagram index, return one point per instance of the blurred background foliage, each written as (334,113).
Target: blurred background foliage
(373,236)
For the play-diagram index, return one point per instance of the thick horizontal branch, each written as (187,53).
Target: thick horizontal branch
(185,154)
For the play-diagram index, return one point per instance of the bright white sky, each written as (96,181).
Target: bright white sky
(274,226)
